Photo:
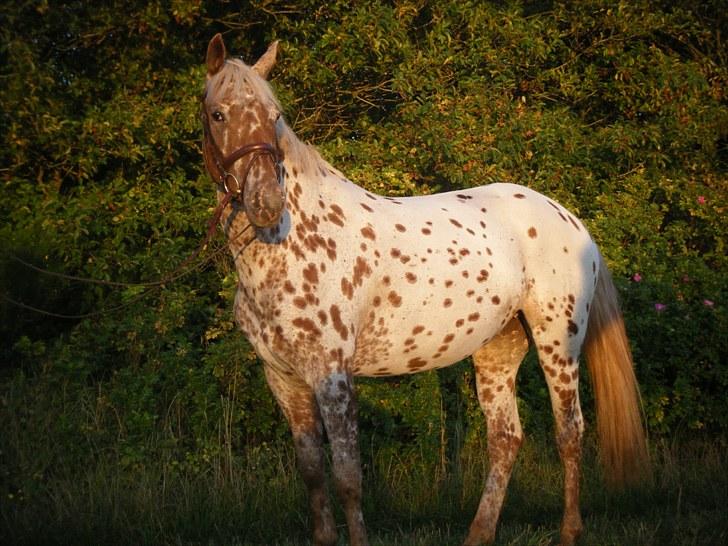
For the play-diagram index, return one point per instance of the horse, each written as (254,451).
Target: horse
(336,282)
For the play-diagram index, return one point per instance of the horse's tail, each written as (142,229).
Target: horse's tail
(622,440)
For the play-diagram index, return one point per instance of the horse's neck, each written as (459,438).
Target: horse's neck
(309,178)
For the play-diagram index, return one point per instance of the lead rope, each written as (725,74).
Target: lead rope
(180,271)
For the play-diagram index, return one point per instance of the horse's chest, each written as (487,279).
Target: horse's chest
(276,307)
(262,280)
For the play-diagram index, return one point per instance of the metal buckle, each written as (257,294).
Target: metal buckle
(225,176)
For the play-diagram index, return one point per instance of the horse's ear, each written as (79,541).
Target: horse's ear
(215,55)
(267,61)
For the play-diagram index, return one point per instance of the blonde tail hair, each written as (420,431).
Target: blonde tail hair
(623,446)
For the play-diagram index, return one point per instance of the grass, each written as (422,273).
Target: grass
(69,476)
(408,501)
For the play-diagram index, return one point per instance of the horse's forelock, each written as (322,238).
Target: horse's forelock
(234,75)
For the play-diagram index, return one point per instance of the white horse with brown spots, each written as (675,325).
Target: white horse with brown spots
(336,282)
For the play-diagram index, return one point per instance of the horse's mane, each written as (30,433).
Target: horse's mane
(304,157)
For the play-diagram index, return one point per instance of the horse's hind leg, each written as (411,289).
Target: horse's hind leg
(558,342)
(299,405)
(496,365)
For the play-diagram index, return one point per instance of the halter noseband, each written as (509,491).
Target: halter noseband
(257,150)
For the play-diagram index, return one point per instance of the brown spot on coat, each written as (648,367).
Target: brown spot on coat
(368,232)
(311,273)
(361,270)
(416,363)
(347,288)
(337,323)
(307,325)
(573,223)
(573,328)
(334,219)
(394,298)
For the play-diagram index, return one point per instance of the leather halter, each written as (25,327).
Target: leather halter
(223,163)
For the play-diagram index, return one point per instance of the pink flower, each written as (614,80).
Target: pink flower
(636,277)
(660,307)
(701,200)
(685,278)
(708,303)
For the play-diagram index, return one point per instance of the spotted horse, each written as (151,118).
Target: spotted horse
(337,282)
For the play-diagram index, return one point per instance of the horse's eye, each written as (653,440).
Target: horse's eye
(218,116)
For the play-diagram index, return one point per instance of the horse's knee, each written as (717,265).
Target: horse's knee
(504,445)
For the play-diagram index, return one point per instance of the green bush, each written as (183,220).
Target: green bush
(618,111)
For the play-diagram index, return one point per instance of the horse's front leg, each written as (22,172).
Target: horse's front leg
(337,404)
(298,402)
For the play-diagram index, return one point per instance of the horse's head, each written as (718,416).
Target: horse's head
(239,116)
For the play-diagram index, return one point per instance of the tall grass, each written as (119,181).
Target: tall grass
(408,501)
(60,487)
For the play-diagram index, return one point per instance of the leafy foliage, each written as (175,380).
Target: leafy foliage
(617,110)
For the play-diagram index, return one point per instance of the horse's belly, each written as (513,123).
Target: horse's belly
(403,343)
